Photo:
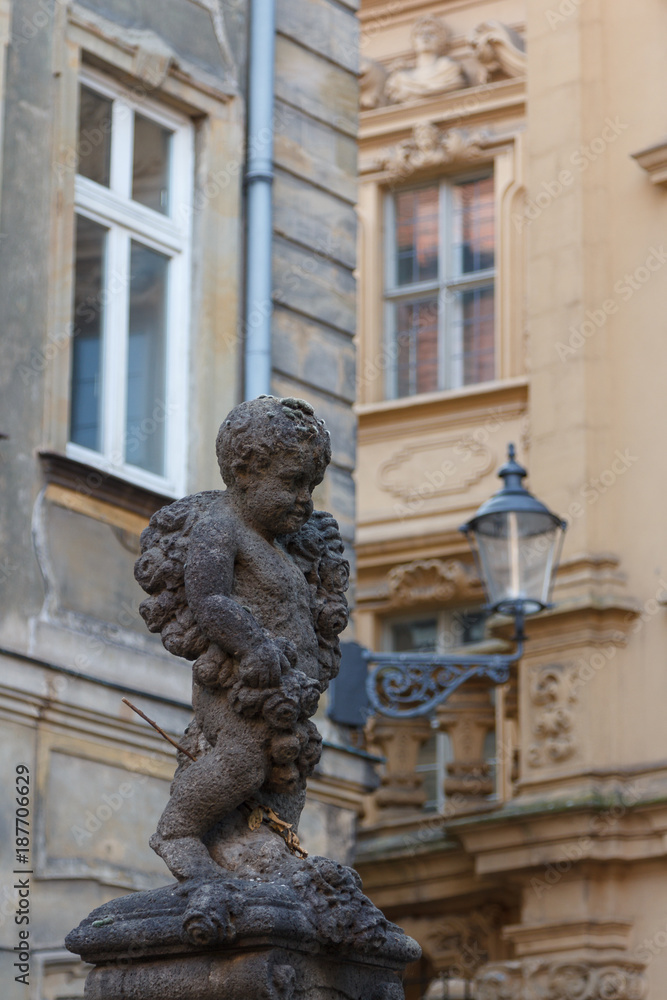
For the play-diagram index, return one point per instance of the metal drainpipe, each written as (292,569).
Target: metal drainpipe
(259,181)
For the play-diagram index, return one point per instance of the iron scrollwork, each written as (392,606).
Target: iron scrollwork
(407,685)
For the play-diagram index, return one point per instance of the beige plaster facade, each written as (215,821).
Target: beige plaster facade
(540,871)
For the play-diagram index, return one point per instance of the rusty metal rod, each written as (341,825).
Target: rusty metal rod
(160,731)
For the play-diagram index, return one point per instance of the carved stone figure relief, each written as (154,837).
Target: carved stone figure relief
(430,146)
(493,50)
(433,71)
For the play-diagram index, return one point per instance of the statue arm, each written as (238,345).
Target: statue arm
(209,577)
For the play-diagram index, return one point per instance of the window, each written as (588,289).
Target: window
(436,632)
(439,282)
(133,194)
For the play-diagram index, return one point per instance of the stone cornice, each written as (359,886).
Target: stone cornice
(653,160)
(457,408)
(490,102)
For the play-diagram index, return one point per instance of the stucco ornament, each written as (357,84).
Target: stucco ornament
(498,48)
(248,583)
(433,71)
(535,979)
(429,146)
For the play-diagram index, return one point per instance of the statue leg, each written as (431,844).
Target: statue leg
(203,794)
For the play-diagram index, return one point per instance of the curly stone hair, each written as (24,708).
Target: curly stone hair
(255,430)
(434,27)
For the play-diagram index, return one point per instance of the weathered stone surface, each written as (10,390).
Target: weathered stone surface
(315,85)
(310,283)
(315,218)
(303,348)
(249,583)
(315,151)
(322,26)
(261,974)
(186,27)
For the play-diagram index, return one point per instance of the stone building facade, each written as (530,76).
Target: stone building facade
(512,211)
(124,130)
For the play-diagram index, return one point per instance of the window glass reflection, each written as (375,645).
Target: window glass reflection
(86,392)
(94,136)
(146,362)
(150,164)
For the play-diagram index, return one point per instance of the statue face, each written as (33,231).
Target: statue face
(430,37)
(278,498)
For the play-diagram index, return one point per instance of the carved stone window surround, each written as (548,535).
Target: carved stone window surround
(467,147)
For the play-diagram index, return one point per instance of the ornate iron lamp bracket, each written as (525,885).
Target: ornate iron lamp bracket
(406,685)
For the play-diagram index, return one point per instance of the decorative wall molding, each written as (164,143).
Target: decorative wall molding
(653,160)
(372,78)
(430,146)
(552,691)
(403,473)
(431,580)
(399,742)
(498,48)
(458,944)
(493,50)
(534,979)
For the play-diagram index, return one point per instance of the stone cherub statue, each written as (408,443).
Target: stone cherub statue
(249,583)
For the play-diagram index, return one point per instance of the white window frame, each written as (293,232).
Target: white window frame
(169,234)
(443,287)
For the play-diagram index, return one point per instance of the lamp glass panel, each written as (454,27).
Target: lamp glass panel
(517,553)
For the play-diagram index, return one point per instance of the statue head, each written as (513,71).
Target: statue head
(430,34)
(255,431)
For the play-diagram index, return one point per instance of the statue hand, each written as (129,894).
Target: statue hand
(264,664)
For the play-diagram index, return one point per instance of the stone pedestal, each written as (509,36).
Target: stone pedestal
(257,973)
(311,935)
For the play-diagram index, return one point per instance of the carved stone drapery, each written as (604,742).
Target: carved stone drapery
(498,48)
(433,71)
(534,979)
(430,146)
(552,693)
(372,78)
(431,581)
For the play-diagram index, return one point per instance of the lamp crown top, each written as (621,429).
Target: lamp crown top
(511,472)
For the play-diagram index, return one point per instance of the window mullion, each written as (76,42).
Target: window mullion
(445,306)
(115,345)
(423,289)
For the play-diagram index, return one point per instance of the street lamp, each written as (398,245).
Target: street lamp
(516,542)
